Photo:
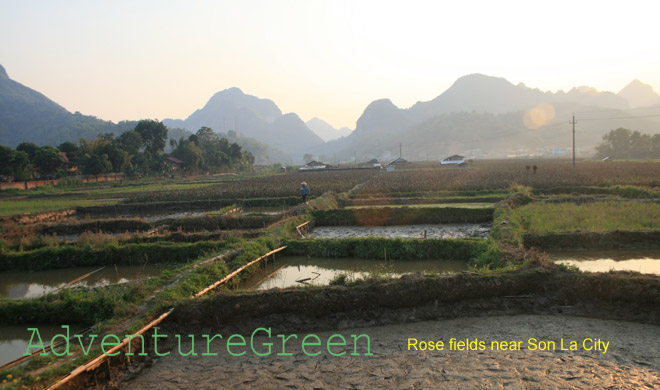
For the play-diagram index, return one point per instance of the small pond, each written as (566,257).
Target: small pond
(454,230)
(15,339)
(301,270)
(24,284)
(640,260)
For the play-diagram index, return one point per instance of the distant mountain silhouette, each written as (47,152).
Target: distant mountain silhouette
(324,130)
(251,116)
(478,114)
(28,116)
(484,114)
(481,94)
(639,94)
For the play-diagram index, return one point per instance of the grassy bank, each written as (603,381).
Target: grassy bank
(182,206)
(131,254)
(394,249)
(543,218)
(219,222)
(553,285)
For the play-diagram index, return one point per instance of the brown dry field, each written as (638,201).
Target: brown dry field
(632,360)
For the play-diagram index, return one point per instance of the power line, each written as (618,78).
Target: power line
(573,122)
(617,110)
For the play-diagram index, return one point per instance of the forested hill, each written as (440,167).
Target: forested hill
(28,116)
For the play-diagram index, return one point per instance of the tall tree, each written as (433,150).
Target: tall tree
(130,141)
(628,144)
(48,160)
(28,147)
(70,149)
(154,135)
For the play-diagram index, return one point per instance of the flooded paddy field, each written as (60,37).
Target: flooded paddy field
(645,261)
(293,271)
(459,230)
(14,339)
(20,284)
(160,217)
(265,210)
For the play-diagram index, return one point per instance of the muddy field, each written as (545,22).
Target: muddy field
(632,359)
(405,231)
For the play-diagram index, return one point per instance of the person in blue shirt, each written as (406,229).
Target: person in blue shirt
(304,191)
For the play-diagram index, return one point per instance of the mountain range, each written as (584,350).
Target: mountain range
(325,130)
(27,115)
(488,116)
(251,116)
(479,115)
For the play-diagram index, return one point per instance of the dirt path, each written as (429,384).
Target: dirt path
(632,359)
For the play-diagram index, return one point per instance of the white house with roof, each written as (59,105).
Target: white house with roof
(456,159)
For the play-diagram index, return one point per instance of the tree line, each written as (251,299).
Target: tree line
(137,152)
(627,144)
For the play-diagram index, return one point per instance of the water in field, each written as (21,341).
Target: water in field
(15,339)
(264,211)
(301,270)
(24,284)
(185,214)
(454,230)
(640,260)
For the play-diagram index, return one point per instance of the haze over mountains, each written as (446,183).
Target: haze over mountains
(251,116)
(325,130)
(27,115)
(478,115)
(489,116)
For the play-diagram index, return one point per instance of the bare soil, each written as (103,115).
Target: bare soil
(632,360)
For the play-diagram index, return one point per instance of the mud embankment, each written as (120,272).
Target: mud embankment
(172,207)
(414,297)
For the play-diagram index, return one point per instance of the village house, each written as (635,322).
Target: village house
(456,159)
(173,164)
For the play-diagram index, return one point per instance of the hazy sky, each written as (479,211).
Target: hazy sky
(164,59)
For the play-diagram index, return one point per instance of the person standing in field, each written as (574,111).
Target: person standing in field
(304,191)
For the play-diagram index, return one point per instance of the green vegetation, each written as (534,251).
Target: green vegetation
(623,191)
(219,222)
(130,254)
(394,249)
(626,144)
(541,218)
(30,206)
(71,306)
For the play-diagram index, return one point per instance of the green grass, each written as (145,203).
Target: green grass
(543,218)
(29,206)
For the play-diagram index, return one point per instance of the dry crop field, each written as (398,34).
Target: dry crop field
(498,175)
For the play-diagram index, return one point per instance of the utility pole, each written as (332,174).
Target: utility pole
(573,122)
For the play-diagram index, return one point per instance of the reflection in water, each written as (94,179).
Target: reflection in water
(299,271)
(453,230)
(23,284)
(15,339)
(642,260)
